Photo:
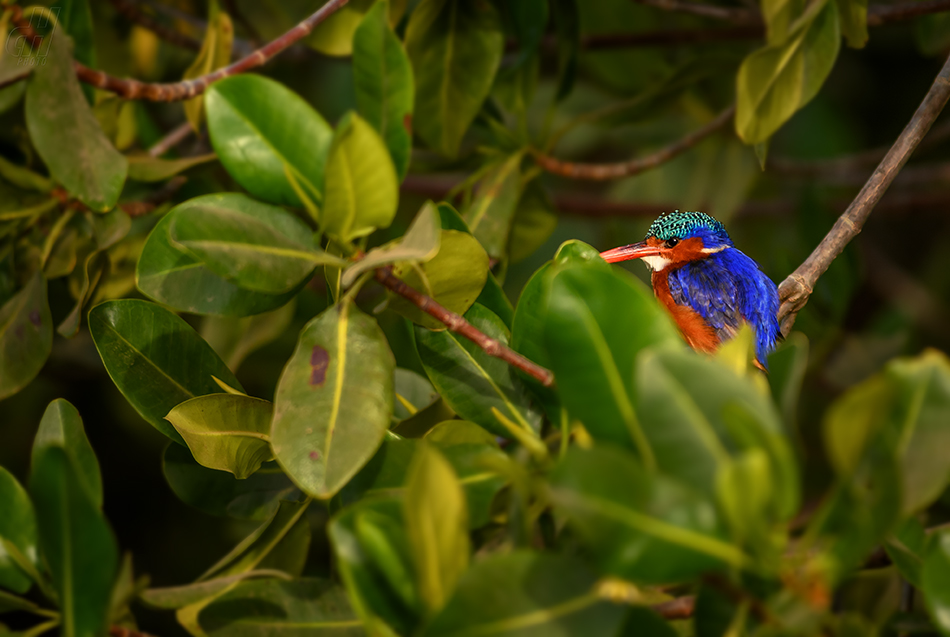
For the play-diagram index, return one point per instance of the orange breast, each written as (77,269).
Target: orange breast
(698,334)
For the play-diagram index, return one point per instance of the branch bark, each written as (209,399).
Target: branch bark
(136,90)
(679,608)
(796,289)
(602,172)
(459,325)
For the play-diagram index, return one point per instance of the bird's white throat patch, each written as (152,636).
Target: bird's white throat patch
(656,262)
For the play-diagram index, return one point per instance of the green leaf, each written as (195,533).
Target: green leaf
(333,400)
(62,427)
(372,556)
(641,527)
(66,134)
(26,336)
(180,280)
(173,597)
(234,339)
(698,415)
(384,83)
(527,336)
(455,48)
(567,27)
(907,548)
(459,432)
(936,581)
(454,278)
(215,52)
(219,493)
(155,359)
(854,21)
(436,525)
(534,222)
(150,169)
(777,80)
(361,188)
(418,245)
(335,36)
(531,594)
(18,526)
(414,393)
(227,432)
(257,127)
(471,381)
(787,366)
(297,608)
(261,248)
(595,323)
(490,215)
(76,542)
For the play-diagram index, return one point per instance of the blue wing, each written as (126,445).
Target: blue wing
(726,289)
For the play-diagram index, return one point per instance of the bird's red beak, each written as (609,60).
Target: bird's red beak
(632,251)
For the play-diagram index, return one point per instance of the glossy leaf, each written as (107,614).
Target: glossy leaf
(471,381)
(220,493)
(524,593)
(455,48)
(62,427)
(66,134)
(527,336)
(384,83)
(26,336)
(227,432)
(155,359)
(418,245)
(641,527)
(936,582)
(172,597)
(261,248)
(257,127)
(234,339)
(361,188)
(436,525)
(595,324)
(777,80)
(18,526)
(333,400)
(76,542)
(454,278)
(150,169)
(697,414)
(179,280)
(335,35)
(259,608)
(490,215)
(460,432)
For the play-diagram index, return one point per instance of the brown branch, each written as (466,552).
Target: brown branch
(679,608)
(120,631)
(136,90)
(172,139)
(795,290)
(459,325)
(131,11)
(600,172)
(882,14)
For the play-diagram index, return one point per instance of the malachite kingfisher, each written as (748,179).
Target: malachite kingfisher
(708,286)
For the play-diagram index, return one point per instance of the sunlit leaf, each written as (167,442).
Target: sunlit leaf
(150,169)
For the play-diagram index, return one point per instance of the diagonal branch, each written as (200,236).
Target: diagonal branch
(795,290)
(136,90)
(729,14)
(602,172)
(459,325)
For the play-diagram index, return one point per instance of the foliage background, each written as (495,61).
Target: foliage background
(885,296)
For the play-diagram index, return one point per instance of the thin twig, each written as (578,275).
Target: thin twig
(459,325)
(131,11)
(119,631)
(600,172)
(173,138)
(729,14)
(136,90)
(795,290)
(679,608)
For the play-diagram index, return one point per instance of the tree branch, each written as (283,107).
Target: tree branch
(679,608)
(729,14)
(136,90)
(119,631)
(601,172)
(459,325)
(795,290)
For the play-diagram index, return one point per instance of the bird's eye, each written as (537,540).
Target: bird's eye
(671,242)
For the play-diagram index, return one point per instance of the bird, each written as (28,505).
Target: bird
(708,286)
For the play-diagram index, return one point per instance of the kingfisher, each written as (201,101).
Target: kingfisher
(707,285)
